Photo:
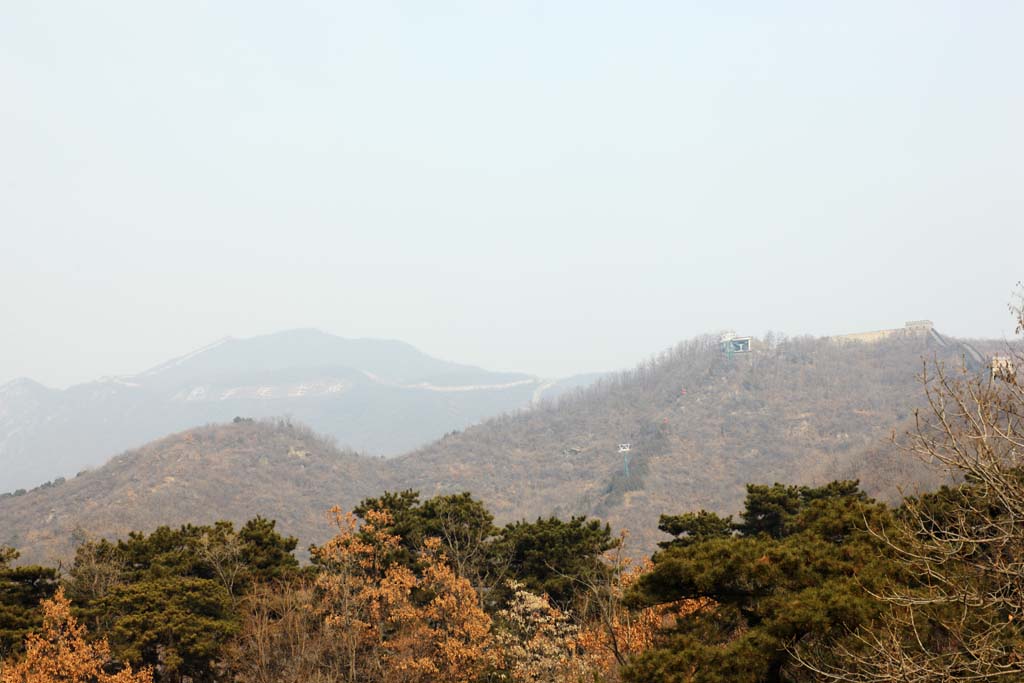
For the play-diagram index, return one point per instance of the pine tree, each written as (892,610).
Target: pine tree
(794,571)
(21,591)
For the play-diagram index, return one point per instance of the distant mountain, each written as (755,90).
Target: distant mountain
(700,424)
(377,396)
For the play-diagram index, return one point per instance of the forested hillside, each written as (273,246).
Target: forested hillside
(810,575)
(700,425)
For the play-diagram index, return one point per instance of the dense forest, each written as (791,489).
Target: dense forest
(806,583)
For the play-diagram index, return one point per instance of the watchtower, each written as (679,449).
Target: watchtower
(731,343)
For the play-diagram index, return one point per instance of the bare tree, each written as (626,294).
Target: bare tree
(98,569)
(956,612)
(283,638)
(223,552)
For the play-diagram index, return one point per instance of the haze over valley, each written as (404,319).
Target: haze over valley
(378,397)
(700,424)
(475,342)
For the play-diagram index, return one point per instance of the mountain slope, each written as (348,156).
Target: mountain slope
(801,410)
(378,396)
(700,425)
(233,471)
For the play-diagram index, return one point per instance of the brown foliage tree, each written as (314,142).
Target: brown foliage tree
(365,619)
(59,653)
(445,636)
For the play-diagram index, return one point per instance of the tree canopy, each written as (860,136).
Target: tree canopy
(794,568)
(168,599)
(21,590)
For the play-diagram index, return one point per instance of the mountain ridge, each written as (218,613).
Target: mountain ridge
(701,425)
(377,396)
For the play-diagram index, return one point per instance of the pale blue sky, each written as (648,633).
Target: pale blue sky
(546,187)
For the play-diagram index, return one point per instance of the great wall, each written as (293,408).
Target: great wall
(919,328)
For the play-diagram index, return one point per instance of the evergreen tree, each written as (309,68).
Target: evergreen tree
(557,558)
(21,591)
(692,527)
(169,599)
(175,624)
(794,569)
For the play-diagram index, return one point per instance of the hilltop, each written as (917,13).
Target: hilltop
(231,471)
(700,424)
(376,396)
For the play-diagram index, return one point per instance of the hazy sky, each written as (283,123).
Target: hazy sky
(548,187)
